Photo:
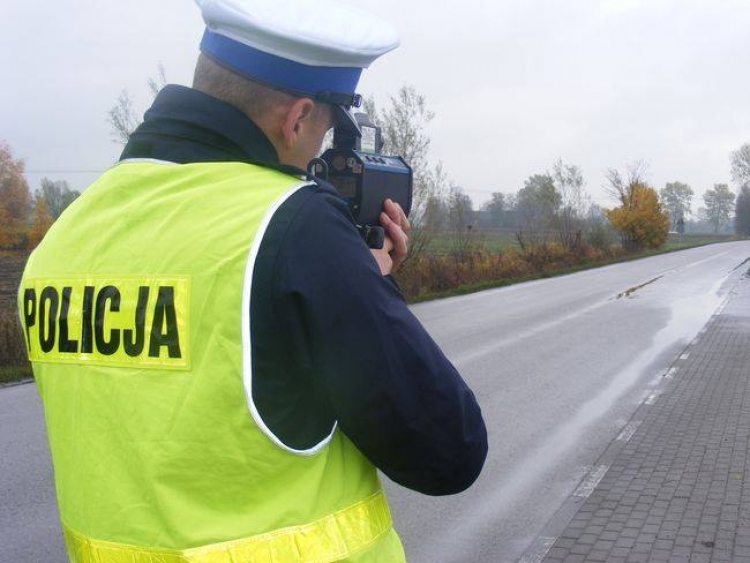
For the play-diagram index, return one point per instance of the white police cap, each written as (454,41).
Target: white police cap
(309,48)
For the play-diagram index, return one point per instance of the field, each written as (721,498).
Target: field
(678,242)
(498,241)
(490,241)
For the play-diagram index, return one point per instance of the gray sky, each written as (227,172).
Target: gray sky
(514,84)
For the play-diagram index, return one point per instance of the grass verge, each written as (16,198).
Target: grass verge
(494,284)
(14,374)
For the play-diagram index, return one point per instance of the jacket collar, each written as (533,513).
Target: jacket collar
(184,125)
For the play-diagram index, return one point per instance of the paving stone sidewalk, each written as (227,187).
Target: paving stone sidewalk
(679,489)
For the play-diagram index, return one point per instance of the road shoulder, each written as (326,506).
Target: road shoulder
(675,484)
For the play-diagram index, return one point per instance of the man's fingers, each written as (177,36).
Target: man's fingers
(384,260)
(396,225)
(388,244)
(393,229)
(397,215)
(399,239)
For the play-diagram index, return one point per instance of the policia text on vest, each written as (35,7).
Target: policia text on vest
(107,321)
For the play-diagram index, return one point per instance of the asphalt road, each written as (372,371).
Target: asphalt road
(558,366)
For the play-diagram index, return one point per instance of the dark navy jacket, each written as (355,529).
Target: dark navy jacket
(333,339)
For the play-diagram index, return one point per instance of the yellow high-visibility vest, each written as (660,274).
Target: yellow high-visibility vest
(136,308)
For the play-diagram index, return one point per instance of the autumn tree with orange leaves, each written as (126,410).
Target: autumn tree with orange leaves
(640,218)
(25,219)
(15,200)
(41,222)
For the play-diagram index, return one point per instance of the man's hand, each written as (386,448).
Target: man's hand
(395,247)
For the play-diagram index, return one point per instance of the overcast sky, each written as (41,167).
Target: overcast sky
(514,84)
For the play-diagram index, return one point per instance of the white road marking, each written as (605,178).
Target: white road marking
(672,371)
(480,352)
(503,508)
(538,550)
(628,431)
(591,480)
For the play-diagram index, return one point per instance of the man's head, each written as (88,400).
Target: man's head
(294,125)
(290,65)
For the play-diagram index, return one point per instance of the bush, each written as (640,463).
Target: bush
(640,219)
(14,364)
(599,235)
(431,274)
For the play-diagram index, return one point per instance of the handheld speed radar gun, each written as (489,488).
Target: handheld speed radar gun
(365,177)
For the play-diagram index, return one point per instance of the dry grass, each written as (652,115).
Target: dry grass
(14,365)
(434,274)
(13,362)
(480,265)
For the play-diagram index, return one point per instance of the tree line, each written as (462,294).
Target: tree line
(551,207)
(554,206)
(25,217)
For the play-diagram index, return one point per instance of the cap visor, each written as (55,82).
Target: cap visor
(346,121)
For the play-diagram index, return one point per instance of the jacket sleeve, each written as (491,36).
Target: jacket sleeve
(394,393)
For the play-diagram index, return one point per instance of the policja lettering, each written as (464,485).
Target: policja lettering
(118,322)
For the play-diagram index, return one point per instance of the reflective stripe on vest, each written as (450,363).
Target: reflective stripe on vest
(331,538)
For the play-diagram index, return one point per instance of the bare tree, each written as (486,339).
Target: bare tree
(599,232)
(496,209)
(123,117)
(433,184)
(620,186)
(536,204)
(568,220)
(155,84)
(461,223)
(719,204)
(742,212)
(57,196)
(741,165)
(676,198)
(404,123)
(435,216)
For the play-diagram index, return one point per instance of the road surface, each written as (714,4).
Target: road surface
(558,366)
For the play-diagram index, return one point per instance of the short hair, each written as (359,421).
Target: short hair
(252,98)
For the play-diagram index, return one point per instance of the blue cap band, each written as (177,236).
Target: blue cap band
(277,71)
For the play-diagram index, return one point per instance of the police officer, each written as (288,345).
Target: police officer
(223,362)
